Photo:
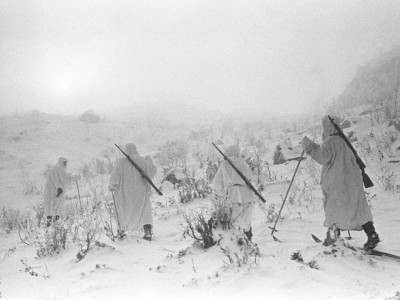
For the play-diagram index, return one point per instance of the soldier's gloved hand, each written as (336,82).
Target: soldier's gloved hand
(308,145)
(306,141)
(112,187)
(59,191)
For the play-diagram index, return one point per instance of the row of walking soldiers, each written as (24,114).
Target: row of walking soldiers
(344,199)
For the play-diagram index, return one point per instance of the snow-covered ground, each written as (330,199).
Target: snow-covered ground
(170,266)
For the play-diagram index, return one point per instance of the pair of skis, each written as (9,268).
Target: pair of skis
(367,252)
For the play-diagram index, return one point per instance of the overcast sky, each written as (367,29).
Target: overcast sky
(69,56)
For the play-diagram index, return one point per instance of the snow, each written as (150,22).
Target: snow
(170,266)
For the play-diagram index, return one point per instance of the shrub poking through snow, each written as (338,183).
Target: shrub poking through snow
(234,258)
(189,183)
(54,239)
(297,256)
(86,171)
(30,188)
(313,264)
(222,214)
(260,169)
(193,188)
(212,168)
(198,228)
(395,297)
(81,227)
(370,197)
(30,270)
(237,248)
(98,166)
(88,232)
(272,214)
(39,211)
(11,219)
(26,231)
(313,169)
(387,178)
(109,229)
(173,153)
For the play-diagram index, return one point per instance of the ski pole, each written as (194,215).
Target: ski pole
(79,194)
(287,193)
(116,212)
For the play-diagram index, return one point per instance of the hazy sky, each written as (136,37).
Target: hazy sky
(69,56)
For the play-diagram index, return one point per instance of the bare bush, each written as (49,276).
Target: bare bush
(269,175)
(387,178)
(30,188)
(100,166)
(110,230)
(238,249)
(313,264)
(222,214)
(198,228)
(272,213)
(200,134)
(27,230)
(111,162)
(11,218)
(301,193)
(86,171)
(297,256)
(30,270)
(211,170)
(88,231)
(260,169)
(53,240)
(173,153)
(39,211)
(193,187)
(47,170)
(370,197)
(313,169)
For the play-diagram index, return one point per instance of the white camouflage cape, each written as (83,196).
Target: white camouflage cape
(57,177)
(132,195)
(344,199)
(227,181)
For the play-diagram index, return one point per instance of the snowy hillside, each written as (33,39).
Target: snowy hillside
(376,83)
(173,266)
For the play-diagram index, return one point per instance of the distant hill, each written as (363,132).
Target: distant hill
(378,82)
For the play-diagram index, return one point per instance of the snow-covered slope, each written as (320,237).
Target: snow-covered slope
(171,267)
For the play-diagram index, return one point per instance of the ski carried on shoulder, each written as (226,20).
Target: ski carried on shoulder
(367,252)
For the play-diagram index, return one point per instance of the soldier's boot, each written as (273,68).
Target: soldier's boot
(49,221)
(373,238)
(248,234)
(147,232)
(372,242)
(332,235)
